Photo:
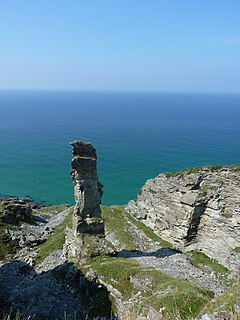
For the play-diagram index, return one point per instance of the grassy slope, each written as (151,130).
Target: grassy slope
(235,167)
(56,240)
(178,297)
(226,303)
(116,219)
(181,299)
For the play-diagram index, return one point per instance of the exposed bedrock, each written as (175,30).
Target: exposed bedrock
(86,236)
(87,189)
(195,209)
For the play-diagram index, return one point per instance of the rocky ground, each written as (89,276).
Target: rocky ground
(195,209)
(145,272)
(48,288)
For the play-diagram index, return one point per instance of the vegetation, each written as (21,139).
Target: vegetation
(145,287)
(212,168)
(149,232)
(53,209)
(112,215)
(56,240)
(150,287)
(237,249)
(226,303)
(200,260)
(116,222)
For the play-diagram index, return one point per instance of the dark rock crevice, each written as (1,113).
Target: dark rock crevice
(194,223)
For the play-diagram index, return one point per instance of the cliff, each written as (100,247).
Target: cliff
(59,262)
(195,209)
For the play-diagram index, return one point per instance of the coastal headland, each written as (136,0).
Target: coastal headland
(173,253)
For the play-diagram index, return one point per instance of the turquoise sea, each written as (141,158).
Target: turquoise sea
(137,135)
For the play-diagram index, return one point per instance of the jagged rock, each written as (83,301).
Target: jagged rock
(86,237)
(87,189)
(60,293)
(196,209)
(13,211)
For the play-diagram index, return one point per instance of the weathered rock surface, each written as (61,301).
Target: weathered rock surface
(87,218)
(14,210)
(87,189)
(196,209)
(60,293)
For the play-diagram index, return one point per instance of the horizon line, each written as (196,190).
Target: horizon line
(118,91)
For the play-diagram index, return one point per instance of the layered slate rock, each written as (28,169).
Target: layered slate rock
(86,237)
(195,209)
(87,189)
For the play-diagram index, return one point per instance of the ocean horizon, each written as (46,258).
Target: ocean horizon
(137,136)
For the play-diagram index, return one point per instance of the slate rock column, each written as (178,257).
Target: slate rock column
(87,190)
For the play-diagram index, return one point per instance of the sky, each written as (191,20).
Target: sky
(152,45)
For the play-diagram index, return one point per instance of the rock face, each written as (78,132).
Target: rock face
(196,209)
(87,189)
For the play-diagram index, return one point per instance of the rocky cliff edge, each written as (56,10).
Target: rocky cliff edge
(195,209)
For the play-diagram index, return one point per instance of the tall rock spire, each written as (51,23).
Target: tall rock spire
(87,189)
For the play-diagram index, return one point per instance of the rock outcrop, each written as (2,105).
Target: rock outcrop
(86,236)
(195,209)
(87,189)
(14,210)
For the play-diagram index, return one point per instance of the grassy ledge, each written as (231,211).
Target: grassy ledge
(147,287)
(56,240)
(116,219)
(200,260)
(234,167)
(226,303)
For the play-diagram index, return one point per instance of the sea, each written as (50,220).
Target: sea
(137,136)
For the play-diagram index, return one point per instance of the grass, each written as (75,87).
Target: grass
(227,215)
(237,249)
(7,249)
(164,291)
(112,215)
(148,232)
(53,209)
(226,303)
(199,259)
(235,167)
(49,211)
(56,240)
(115,221)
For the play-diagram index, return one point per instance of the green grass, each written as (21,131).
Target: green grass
(56,240)
(235,167)
(115,221)
(148,232)
(226,215)
(176,295)
(199,259)
(237,249)
(225,302)
(53,209)
(50,210)
(6,248)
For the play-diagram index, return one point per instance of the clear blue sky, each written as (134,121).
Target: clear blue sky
(166,45)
